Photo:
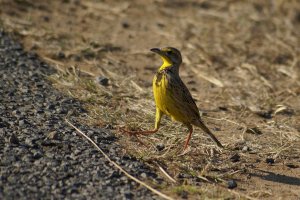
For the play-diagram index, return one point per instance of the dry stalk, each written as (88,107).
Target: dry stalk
(116,165)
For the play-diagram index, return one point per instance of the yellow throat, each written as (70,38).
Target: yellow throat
(166,63)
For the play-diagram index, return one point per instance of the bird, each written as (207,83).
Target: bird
(172,97)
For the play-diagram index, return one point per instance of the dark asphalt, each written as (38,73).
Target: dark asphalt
(41,157)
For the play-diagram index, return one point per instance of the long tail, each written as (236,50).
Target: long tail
(200,124)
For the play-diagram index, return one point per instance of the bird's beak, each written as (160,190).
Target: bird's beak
(157,50)
(163,56)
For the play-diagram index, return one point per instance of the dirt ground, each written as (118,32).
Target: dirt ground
(240,62)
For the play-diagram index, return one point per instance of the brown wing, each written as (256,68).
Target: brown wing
(186,109)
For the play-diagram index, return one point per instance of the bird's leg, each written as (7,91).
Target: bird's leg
(190,127)
(158,116)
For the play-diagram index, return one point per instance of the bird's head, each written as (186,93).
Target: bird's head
(170,56)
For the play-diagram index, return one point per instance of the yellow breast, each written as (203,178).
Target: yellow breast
(164,98)
(160,91)
(173,98)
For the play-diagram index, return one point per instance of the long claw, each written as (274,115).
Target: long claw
(139,132)
(135,134)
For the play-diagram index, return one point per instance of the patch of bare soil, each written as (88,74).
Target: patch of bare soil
(241,63)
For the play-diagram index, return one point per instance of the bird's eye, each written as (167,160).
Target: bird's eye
(169,52)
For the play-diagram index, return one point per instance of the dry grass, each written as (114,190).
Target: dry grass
(241,62)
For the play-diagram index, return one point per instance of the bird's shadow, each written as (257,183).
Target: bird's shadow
(279,178)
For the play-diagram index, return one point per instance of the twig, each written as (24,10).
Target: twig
(241,194)
(137,87)
(229,190)
(165,173)
(118,166)
(206,77)
(58,65)
(221,119)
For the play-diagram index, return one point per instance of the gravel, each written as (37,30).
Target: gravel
(270,161)
(41,156)
(231,184)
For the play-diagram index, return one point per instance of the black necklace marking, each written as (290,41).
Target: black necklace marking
(160,74)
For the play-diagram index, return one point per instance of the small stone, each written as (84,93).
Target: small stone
(62,110)
(270,161)
(16,112)
(13,139)
(53,135)
(245,149)
(28,141)
(223,108)
(74,57)
(95,44)
(32,55)
(125,25)
(39,111)
(46,18)
(51,107)
(61,55)
(37,155)
(217,129)
(144,175)
(3,124)
(128,195)
(183,176)
(160,147)
(161,25)
(48,143)
(88,53)
(265,114)
(22,122)
(231,184)
(102,80)
(291,165)
(184,194)
(235,158)
(297,17)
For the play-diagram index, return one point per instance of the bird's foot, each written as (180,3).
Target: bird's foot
(185,151)
(122,130)
(133,133)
